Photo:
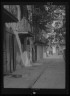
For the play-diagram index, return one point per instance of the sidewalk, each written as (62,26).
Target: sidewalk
(27,76)
(54,56)
(53,77)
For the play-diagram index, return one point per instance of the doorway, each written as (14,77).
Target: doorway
(9,54)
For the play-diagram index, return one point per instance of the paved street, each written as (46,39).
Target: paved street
(48,73)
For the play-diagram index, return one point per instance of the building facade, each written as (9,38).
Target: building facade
(18,37)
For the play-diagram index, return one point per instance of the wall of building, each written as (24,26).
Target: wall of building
(44,52)
(7,55)
(17,52)
(14,10)
(8,52)
(29,48)
(39,52)
(21,26)
(27,52)
(17,58)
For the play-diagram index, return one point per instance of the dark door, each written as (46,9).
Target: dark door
(12,53)
(9,54)
(11,47)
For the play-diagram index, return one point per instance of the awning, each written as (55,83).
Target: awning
(7,16)
(25,34)
(39,43)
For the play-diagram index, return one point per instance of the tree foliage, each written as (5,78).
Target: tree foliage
(47,15)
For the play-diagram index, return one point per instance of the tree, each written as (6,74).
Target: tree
(49,14)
